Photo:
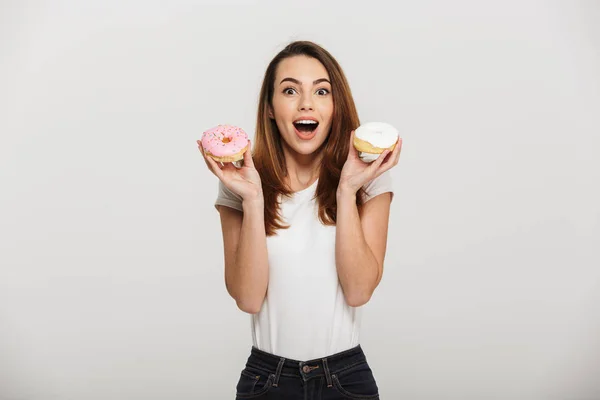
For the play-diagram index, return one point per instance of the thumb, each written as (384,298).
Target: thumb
(352,152)
(248,155)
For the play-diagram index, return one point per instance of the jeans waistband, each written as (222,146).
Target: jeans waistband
(325,366)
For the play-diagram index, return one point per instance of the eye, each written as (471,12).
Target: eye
(287,89)
(323,92)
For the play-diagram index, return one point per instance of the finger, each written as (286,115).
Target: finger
(352,152)
(377,163)
(204,156)
(202,152)
(248,156)
(381,158)
(376,168)
(395,154)
(216,168)
(201,147)
(398,150)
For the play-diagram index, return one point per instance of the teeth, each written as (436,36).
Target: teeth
(305,121)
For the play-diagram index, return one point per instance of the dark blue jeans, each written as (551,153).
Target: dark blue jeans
(344,375)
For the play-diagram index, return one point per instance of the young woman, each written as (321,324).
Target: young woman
(305,225)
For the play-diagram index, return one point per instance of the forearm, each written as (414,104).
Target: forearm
(250,272)
(356,264)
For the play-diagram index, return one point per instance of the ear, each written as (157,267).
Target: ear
(271,113)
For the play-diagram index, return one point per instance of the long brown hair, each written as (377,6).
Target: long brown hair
(268,151)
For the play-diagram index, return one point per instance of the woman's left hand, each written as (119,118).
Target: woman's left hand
(356,173)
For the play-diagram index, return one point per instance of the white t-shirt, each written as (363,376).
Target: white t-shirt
(304,315)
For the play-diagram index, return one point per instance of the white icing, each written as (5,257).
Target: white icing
(379,134)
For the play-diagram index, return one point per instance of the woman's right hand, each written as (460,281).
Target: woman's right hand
(244,181)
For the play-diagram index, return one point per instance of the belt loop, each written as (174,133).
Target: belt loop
(327,373)
(278,372)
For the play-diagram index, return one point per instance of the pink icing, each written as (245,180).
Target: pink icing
(212,140)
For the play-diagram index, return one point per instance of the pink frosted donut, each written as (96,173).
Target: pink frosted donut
(225,143)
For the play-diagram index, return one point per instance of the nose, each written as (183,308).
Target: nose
(306,103)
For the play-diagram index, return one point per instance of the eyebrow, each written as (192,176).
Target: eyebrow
(297,82)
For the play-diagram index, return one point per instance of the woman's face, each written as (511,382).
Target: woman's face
(302,103)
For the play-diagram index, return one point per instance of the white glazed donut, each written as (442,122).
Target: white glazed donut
(372,138)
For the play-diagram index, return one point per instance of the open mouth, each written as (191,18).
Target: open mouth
(306,126)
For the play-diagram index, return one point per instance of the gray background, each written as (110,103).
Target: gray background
(111,272)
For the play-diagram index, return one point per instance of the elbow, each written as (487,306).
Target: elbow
(358,299)
(249,307)
(360,294)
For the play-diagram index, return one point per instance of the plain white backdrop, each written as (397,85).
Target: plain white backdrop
(111,263)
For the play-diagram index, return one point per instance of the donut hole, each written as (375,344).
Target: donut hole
(226,140)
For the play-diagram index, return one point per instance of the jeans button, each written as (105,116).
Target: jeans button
(306,369)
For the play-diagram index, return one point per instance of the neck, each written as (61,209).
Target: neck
(303,169)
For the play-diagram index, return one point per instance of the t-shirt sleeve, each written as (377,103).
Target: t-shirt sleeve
(227,198)
(382,184)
